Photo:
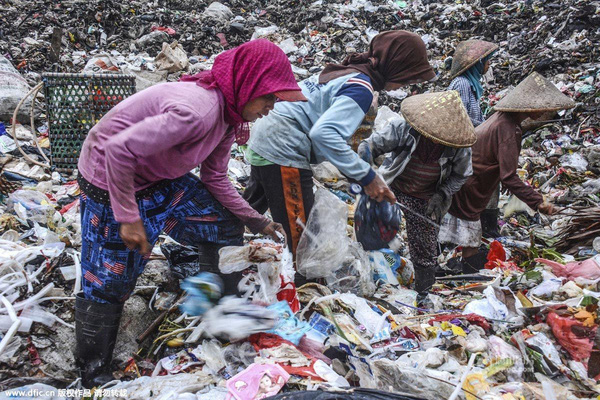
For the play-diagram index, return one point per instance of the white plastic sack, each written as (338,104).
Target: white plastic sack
(515,205)
(238,258)
(288,46)
(385,116)
(326,172)
(549,286)
(218,11)
(102,64)
(575,161)
(490,307)
(13,87)
(273,264)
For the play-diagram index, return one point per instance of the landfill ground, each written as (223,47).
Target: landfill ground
(521,329)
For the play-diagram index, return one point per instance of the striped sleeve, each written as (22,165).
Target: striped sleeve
(471,104)
(359,89)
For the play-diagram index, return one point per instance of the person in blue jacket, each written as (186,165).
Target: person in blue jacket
(285,143)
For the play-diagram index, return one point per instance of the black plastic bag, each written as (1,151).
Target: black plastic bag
(376,224)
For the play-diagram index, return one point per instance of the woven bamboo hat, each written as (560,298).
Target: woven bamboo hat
(468,53)
(535,93)
(441,117)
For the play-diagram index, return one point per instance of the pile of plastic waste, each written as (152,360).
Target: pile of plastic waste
(525,327)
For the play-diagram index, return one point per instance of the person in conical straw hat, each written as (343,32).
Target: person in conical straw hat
(470,62)
(495,160)
(429,160)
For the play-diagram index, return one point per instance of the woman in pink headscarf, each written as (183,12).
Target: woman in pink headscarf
(135,183)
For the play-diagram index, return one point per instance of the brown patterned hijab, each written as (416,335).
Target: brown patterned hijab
(393,57)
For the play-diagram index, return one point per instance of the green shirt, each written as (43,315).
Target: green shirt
(256,159)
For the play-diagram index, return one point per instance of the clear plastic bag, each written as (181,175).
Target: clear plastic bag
(354,275)
(33,205)
(325,251)
(323,246)
(270,269)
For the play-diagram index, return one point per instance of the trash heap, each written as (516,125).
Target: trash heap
(526,327)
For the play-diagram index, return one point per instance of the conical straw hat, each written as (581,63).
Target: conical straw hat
(535,93)
(441,117)
(468,53)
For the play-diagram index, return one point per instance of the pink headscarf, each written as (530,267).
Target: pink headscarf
(254,69)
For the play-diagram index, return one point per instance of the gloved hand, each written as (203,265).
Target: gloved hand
(364,152)
(437,207)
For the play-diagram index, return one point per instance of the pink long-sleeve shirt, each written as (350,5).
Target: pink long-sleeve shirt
(160,133)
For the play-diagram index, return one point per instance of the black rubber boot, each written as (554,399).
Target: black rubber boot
(96,327)
(489,223)
(424,279)
(208,260)
(474,263)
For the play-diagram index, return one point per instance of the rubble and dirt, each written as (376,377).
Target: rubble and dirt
(524,328)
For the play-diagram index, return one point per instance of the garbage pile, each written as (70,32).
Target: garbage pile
(526,327)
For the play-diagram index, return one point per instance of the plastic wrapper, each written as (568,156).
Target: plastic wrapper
(353,394)
(239,355)
(496,255)
(575,161)
(587,269)
(212,356)
(329,375)
(544,344)
(326,172)
(287,325)
(389,267)
(13,87)
(371,320)
(183,260)
(257,382)
(376,223)
(176,363)
(404,378)
(500,350)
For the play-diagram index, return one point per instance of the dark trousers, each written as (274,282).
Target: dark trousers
(287,192)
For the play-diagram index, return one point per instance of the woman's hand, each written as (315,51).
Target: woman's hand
(547,208)
(134,237)
(276,231)
(379,191)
